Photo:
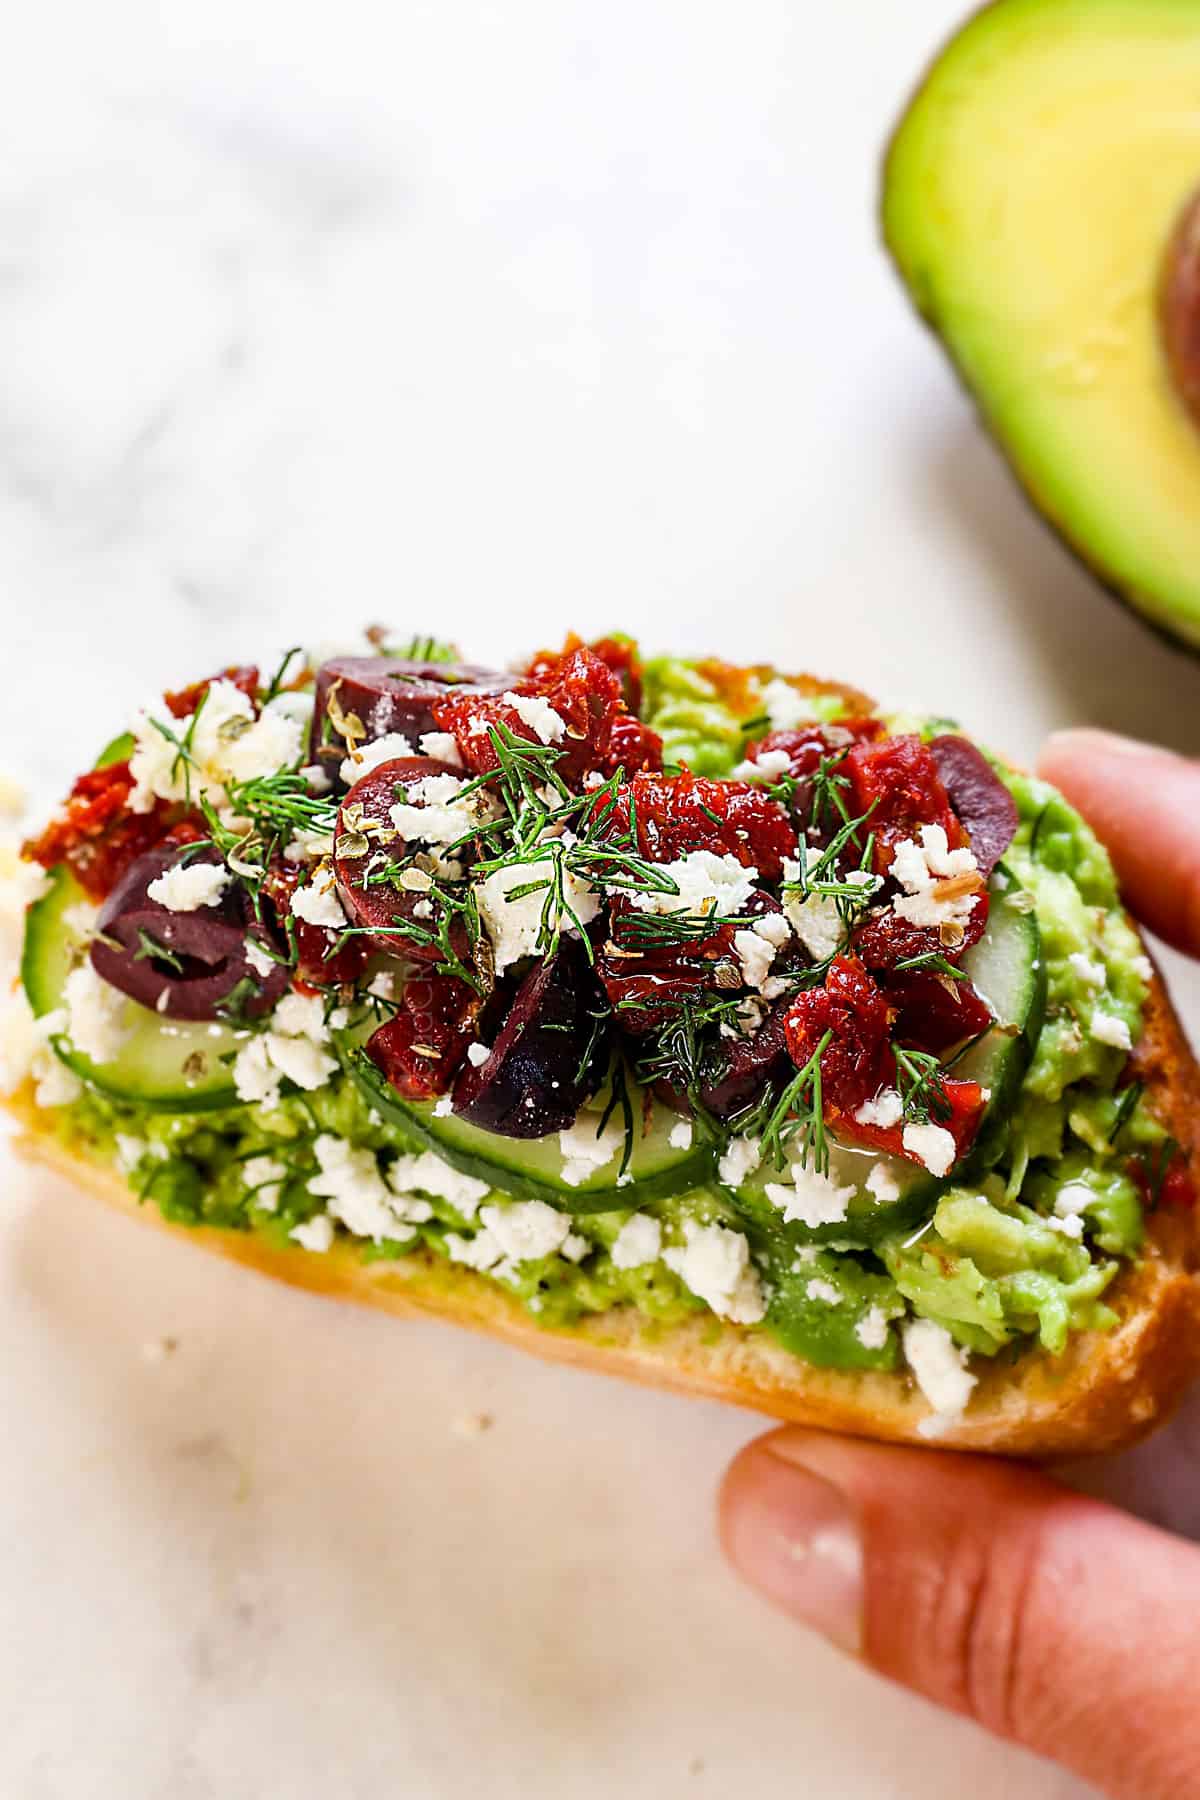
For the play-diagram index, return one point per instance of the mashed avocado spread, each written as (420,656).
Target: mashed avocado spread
(1022,1255)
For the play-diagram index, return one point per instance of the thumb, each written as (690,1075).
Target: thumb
(1048,1618)
(1144,803)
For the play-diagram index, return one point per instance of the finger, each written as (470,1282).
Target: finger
(1144,803)
(1050,1619)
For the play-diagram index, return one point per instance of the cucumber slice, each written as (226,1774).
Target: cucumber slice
(1007,968)
(168,1065)
(532,1168)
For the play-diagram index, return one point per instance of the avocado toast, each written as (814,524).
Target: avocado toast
(696,1022)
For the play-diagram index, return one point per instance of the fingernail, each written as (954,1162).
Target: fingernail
(1104,743)
(793,1535)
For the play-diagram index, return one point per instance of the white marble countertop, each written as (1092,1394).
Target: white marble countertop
(488,321)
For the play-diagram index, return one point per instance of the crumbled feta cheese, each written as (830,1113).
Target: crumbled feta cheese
(130,1151)
(805,1256)
(740,1160)
(768,765)
(941,1372)
(317,903)
(314,1234)
(433,813)
(443,747)
(575,1248)
(1106,1028)
(186,886)
(514,927)
(786,707)
(586,1149)
(225,742)
(932,1145)
(430,1175)
(680,1135)
(291,1045)
(756,947)
(526,1230)
(885,1110)
(357,1194)
(391,747)
(922,869)
(1143,968)
(54,1084)
(265,1177)
(477,1055)
(1092,974)
(714,1263)
(706,883)
(95,1014)
(259,959)
(480,1252)
(80,920)
(872,1329)
(307,846)
(1070,1204)
(638,1242)
(316,779)
(882,1184)
(820,1289)
(536,712)
(810,1198)
(444,1107)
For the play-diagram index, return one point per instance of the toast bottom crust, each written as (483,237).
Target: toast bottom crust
(1105,1391)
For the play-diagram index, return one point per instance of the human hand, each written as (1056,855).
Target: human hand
(1049,1618)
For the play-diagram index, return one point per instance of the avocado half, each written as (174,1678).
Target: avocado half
(1031,195)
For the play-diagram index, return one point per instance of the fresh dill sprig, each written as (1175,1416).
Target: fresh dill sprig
(934,962)
(799,1113)
(920,1083)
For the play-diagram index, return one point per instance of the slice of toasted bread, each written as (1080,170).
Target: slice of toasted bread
(1105,1391)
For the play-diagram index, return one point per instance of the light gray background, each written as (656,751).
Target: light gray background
(487,320)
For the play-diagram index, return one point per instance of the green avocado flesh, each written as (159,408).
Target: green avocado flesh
(1030,192)
(980,1252)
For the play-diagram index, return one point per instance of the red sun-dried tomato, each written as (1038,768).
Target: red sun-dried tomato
(420,1048)
(645,987)
(885,939)
(314,967)
(620,654)
(185,700)
(935,1012)
(96,836)
(679,813)
(960,1116)
(897,779)
(807,745)
(632,747)
(855,1063)
(1171,1186)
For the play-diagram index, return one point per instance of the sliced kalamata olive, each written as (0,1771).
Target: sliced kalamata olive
(545,1061)
(361,698)
(185,965)
(366,841)
(979,797)
(751,1064)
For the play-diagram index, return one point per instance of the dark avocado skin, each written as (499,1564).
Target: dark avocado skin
(922,300)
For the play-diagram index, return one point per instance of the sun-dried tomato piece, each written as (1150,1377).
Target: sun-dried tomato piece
(620,654)
(885,939)
(315,967)
(897,778)
(632,747)
(420,1048)
(807,745)
(855,1063)
(645,987)
(679,813)
(935,1012)
(960,1116)
(186,700)
(96,836)
(1169,1186)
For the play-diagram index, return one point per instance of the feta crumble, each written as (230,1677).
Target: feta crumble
(291,1046)
(184,887)
(872,1329)
(932,1145)
(259,959)
(768,765)
(434,814)
(926,870)
(226,743)
(536,712)
(680,1135)
(706,883)
(715,1264)
(317,903)
(430,1175)
(941,1373)
(882,1185)
(824,1291)
(885,1110)
(739,1161)
(95,1014)
(389,748)
(756,948)
(586,1149)
(1092,974)
(810,1198)
(526,1230)
(785,707)
(1106,1028)
(638,1242)
(514,927)
(314,1234)
(477,1055)
(442,746)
